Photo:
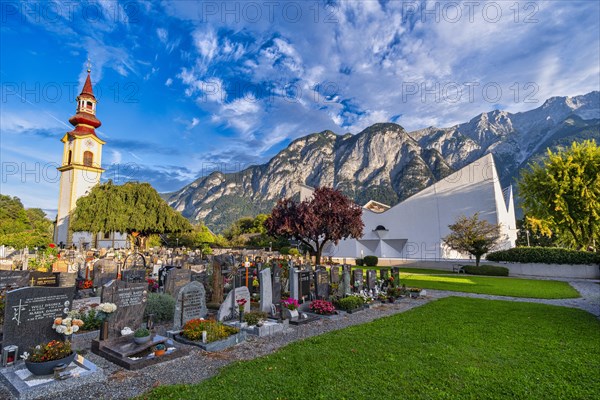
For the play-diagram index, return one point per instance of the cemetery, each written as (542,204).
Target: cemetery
(136,310)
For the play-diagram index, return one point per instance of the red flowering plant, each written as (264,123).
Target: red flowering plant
(241,303)
(322,307)
(290,304)
(152,285)
(54,350)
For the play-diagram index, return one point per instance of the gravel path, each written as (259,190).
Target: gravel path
(199,365)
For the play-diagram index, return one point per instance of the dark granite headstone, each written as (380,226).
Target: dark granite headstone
(14,279)
(371,279)
(304,283)
(48,279)
(191,304)
(104,271)
(134,275)
(176,279)
(384,273)
(322,284)
(130,299)
(66,279)
(29,313)
(357,281)
(276,284)
(396,275)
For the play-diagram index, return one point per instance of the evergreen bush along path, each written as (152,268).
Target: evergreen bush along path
(535,351)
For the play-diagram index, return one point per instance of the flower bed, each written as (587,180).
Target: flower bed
(218,335)
(322,307)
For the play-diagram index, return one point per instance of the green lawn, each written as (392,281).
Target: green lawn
(454,348)
(517,287)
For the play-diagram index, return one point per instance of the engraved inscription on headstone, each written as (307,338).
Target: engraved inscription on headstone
(48,279)
(191,304)
(322,284)
(29,313)
(13,279)
(130,299)
(304,283)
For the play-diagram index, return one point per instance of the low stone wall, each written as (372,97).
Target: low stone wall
(516,269)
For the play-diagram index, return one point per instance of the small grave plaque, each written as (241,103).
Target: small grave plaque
(29,313)
(48,279)
(191,304)
(130,299)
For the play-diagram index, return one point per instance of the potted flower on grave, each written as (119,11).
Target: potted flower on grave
(141,336)
(322,307)
(67,326)
(414,292)
(290,307)
(255,318)
(241,304)
(160,349)
(45,357)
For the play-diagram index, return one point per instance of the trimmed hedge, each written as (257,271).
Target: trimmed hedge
(350,303)
(161,305)
(359,262)
(489,270)
(544,255)
(371,261)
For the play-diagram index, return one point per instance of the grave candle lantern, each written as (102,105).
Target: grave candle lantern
(9,355)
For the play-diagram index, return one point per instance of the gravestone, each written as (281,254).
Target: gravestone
(357,283)
(322,284)
(266,290)
(13,279)
(384,273)
(371,279)
(48,279)
(346,286)
(66,279)
(104,271)
(276,284)
(176,279)
(29,313)
(134,275)
(130,299)
(191,304)
(304,284)
(396,275)
(335,274)
(294,287)
(229,308)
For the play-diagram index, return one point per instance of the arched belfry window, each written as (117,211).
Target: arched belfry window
(69,157)
(88,158)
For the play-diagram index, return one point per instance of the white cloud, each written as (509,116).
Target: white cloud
(168,82)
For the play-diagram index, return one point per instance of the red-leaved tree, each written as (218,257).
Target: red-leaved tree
(328,216)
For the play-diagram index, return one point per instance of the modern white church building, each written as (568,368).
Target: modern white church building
(414,228)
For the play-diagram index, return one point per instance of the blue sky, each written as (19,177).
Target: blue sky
(187,87)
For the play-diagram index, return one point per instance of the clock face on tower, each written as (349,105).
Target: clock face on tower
(89,143)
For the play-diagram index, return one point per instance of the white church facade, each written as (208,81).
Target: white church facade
(414,228)
(80,171)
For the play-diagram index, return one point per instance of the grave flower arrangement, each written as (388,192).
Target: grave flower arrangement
(215,331)
(67,326)
(94,315)
(152,285)
(241,303)
(290,304)
(322,307)
(53,350)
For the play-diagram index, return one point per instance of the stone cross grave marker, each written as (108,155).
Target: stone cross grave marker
(176,279)
(29,313)
(371,279)
(130,299)
(322,284)
(229,308)
(276,284)
(346,286)
(191,304)
(358,279)
(266,290)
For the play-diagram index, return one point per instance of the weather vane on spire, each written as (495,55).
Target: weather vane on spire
(89,65)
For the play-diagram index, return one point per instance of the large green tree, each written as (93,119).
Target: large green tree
(133,208)
(473,235)
(561,195)
(20,227)
(328,216)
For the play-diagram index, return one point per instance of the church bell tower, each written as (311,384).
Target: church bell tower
(80,169)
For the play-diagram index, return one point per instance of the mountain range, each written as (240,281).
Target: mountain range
(388,164)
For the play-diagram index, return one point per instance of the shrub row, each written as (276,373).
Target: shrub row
(489,270)
(544,255)
(350,303)
(161,305)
